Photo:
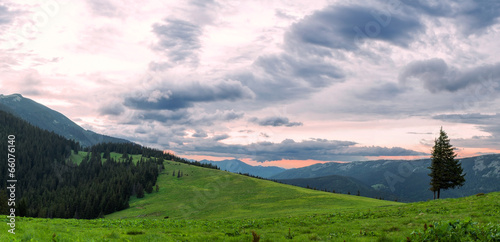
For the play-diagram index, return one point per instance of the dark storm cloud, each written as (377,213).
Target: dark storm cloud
(166,117)
(315,149)
(186,95)
(436,8)
(186,118)
(478,16)
(344,27)
(470,16)
(436,76)
(178,39)
(275,121)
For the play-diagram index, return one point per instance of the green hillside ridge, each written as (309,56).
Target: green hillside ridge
(212,194)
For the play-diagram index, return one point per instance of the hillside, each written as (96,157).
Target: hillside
(237,166)
(408,180)
(339,184)
(51,120)
(212,194)
(473,218)
(49,184)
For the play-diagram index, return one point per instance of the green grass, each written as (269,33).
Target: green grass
(211,205)
(212,194)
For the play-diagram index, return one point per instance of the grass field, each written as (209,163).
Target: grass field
(212,205)
(212,194)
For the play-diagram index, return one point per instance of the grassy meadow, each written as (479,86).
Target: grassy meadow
(212,205)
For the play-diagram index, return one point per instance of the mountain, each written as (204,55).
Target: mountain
(237,166)
(408,180)
(48,119)
(340,184)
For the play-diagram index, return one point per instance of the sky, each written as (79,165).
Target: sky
(286,83)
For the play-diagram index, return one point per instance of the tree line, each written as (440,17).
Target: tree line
(51,185)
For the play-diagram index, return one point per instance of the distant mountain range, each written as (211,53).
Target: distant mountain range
(237,166)
(407,180)
(340,184)
(48,119)
(337,183)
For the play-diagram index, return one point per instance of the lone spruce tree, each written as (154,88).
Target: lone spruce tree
(446,171)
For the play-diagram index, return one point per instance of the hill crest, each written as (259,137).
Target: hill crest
(51,120)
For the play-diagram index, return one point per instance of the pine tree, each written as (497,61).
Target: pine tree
(140,191)
(446,171)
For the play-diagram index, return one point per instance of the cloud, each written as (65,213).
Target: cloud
(179,40)
(113,109)
(103,8)
(344,27)
(478,16)
(181,96)
(193,118)
(166,116)
(314,72)
(280,13)
(489,123)
(30,82)
(469,118)
(419,133)
(200,134)
(433,8)
(383,91)
(470,16)
(220,137)
(6,15)
(436,76)
(275,121)
(288,149)
(281,77)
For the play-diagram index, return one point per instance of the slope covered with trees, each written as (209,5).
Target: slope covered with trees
(49,184)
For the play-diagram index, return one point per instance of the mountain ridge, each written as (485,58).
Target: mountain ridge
(238,166)
(408,179)
(51,120)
